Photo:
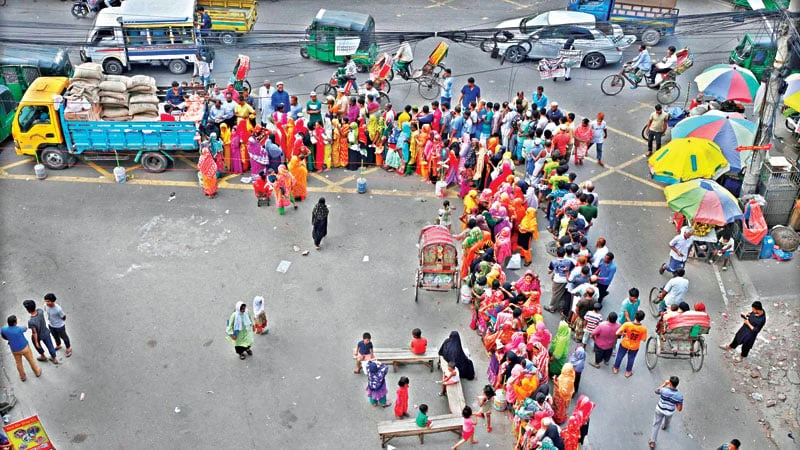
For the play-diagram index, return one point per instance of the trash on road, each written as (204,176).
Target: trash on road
(177,410)
(171,197)
(283,266)
(305,253)
(83,396)
(366,258)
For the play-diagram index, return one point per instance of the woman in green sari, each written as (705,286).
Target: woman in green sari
(241,327)
(559,348)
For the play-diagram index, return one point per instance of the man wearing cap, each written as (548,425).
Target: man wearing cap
(280,96)
(265,101)
(561,140)
(313,110)
(554,114)
(678,251)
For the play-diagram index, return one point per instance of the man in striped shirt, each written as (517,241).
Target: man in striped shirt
(669,401)
(592,319)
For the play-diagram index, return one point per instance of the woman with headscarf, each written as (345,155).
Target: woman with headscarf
(502,248)
(336,133)
(319,147)
(236,156)
(541,359)
(376,383)
(319,222)
(404,144)
(225,138)
(353,148)
(583,136)
(208,172)
(506,369)
(421,139)
(217,151)
(261,325)
(289,138)
(559,348)
(470,203)
(240,330)
(528,227)
(540,334)
(259,158)
(451,171)
(283,189)
(432,156)
(452,351)
(344,142)
(564,390)
(297,168)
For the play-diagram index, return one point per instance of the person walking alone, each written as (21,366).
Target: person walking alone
(747,334)
(656,127)
(669,401)
(58,326)
(678,251)
(41,335)
(240,330)
(15,335)
(319,220)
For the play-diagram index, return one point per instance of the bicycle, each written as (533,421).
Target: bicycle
(338,78)
(668,89)
(655,301)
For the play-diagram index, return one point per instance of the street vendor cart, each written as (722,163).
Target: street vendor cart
(438,261)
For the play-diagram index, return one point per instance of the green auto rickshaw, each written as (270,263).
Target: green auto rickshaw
(8,108)
(769,5)
(755,54)
(20,66)
(334,34)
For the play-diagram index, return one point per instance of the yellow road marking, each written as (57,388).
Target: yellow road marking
(99,169)
(641,180)
(17,163)
(629,162)
(187,161)
(622,133)
(632,203)
(641,106)
(319,177)
(136,167)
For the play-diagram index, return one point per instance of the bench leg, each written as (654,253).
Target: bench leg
(431,365)
(421,438)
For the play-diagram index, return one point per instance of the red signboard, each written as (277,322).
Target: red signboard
(753,147)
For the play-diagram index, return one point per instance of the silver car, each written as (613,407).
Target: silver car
(598,49)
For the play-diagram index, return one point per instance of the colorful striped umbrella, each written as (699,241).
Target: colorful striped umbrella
(703,201)
(724,129)
(687,159)
(728,82)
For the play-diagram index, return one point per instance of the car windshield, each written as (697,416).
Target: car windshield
(531,23)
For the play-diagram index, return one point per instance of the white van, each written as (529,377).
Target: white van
(155,32)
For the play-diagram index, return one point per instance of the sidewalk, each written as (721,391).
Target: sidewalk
(770,376)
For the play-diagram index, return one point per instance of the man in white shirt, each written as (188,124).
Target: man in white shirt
(369,89)
(600,252)
(675,290)
(667,63)
(678,251)
(265,101)
(404,56)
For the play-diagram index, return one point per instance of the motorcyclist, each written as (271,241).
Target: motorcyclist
(640,64)
(668,62)
(404,57)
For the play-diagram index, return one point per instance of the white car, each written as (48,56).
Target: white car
(542,36)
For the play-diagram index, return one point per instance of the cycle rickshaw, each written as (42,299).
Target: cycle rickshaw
(679,337)
(438,261)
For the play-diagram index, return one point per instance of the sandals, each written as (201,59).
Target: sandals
(242,357)
(41,358)
(69,353)
(628,374)
(249,352)
(615,370)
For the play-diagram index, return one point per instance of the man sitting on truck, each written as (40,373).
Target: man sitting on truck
(175,95)
(668,62)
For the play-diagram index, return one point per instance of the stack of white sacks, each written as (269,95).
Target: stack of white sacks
(93,96)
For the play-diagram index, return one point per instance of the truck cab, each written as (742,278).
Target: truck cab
(755,54)
(36,127)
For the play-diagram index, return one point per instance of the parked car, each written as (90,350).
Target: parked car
(544,35)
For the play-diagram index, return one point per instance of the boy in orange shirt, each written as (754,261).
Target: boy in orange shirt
(633,334)
(418,343)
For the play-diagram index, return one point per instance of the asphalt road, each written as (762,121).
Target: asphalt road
(149,283)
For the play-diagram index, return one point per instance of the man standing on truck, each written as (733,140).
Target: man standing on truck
(668,62)
(204,21)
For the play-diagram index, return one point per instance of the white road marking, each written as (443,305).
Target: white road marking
(721,285)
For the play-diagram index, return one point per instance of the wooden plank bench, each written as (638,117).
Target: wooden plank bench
(391,429)
(455,393)
(403,355)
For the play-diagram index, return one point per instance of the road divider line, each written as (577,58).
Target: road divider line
(640,180)
(17,163)
(319,177)
(187,161)
(622,133)
(721,285)
(99,169)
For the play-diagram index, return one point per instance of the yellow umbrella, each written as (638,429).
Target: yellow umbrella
(687,159)
(793,101)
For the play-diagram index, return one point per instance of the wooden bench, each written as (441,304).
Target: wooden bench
(455,394)
(391,429)
(404,356)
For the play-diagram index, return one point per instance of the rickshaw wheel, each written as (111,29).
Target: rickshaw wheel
(612,84)
(428,88)
(488,44)
(362,68)
(385,86)
(416,285)
(246,84)
(644,133)
(697,354)
(304,53)
(324,89)
(653,301)
(668,93)
(390,75)
(652,350)
(383,99)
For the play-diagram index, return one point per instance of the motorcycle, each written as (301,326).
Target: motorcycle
(82,8)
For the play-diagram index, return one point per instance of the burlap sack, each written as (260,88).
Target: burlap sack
(139,108)
(143,98)
(91,71)
(114,86)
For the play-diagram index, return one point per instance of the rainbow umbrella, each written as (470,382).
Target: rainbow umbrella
(703,201)
(687,159)
(726,130)
(728,82)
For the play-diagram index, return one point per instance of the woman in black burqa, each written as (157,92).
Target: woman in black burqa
(452,351)
(319,220)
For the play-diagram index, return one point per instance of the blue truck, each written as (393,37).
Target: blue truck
(649,20)
(41,129)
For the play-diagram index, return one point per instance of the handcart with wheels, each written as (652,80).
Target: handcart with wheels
(679,337)
(438,261)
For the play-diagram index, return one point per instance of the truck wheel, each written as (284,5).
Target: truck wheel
(650,37)
(55,158)
(227,38)
(112,67)
(178,66)
(154,162)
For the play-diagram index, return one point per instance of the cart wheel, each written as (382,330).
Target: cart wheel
(668,93)
(652,350)
(428,88)
(697,354)
(416,285)
(227,38)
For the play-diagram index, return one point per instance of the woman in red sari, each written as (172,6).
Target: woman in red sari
(583,135)
(319,146)
(208,171)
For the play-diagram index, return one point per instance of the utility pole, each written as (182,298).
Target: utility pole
(766,118)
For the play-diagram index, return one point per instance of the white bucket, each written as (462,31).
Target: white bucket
(441,189)
(120,176)
(500,400)
(466,294)
(40,171)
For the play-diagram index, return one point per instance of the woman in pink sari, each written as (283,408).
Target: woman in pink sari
(502,248)
(236,154)
(208,171)
(583,135)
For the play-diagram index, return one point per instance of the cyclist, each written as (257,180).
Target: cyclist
(404,57)
(640,65)
(350,71)
(674,291)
